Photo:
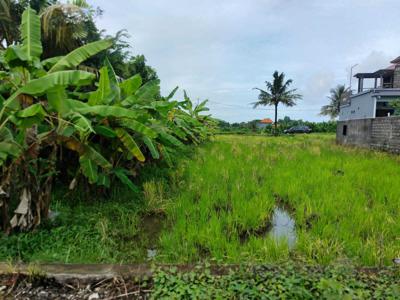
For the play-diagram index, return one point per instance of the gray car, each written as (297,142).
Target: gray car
(298,129)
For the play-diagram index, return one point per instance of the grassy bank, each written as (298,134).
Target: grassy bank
(219,204)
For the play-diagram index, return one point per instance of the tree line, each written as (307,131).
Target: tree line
(253,126)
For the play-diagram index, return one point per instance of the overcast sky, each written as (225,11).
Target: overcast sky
(221,49)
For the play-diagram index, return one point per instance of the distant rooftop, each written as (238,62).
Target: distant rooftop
(396,60)
(382,72)
(266,121)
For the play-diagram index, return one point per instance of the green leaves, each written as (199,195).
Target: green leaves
(90,161)
(122,176)
(97,158)
(151,147)
(57,96)
(30,34)
(131,85)
(35,110)
(130,144)
(89,168)
(49,113)
(41,85)
(138,127)
(103,95)
(76,57)
(146,94)
(108,111)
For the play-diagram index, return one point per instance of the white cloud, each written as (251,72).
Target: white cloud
(222,49)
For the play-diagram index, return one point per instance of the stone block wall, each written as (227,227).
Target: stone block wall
(379,133)
(396,77)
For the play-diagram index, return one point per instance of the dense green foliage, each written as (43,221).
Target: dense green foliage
(343,201)
(283,124)
(67,26)
(278,282)
(55,120)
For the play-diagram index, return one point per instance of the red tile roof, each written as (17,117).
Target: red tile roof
(266,121)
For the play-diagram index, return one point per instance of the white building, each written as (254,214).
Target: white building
(373,101)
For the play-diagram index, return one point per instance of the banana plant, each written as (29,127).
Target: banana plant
(31,125)
(105,130)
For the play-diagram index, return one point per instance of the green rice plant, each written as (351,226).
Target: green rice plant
(154,196)
(343,200)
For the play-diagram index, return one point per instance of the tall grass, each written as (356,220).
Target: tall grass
(218,204)
(345,202)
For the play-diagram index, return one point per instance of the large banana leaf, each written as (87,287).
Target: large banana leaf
(138,127)
(122,175)
(57,97)
(41,85)
(170,140)
(105,131)
(89,168)
(146,94)
(108,111)
(32,111)
(76,57)
(130,85)
(49,62)
(97,158)
(30,34)
(130,144)
(169,97)
(116,91)
(103,93)
(151,147)
(82,124)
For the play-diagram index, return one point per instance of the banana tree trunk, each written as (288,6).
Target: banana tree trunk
(30,183)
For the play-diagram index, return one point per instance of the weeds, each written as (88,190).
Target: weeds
(344,202)
(218,205)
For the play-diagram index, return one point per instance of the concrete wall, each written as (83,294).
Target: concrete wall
(361,106)
(396,77)
(378,133)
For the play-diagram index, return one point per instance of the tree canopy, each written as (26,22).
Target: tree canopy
(277,92)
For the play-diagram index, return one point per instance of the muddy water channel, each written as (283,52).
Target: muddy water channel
(283,227)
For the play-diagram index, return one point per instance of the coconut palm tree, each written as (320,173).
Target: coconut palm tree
(277,92)
(8,29)
(337,96)
(64,25)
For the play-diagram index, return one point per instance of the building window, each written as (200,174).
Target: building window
(344,130)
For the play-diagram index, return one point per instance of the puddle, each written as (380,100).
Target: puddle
(280,227)
(150,229)
(151,254)
(283,227)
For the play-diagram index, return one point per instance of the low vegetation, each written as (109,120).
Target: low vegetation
(344,202)
(217,204)
(210,282)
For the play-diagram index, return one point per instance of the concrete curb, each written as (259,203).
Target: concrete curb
(63,272)
(88,272)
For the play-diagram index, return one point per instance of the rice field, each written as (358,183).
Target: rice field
(344,203)
(236,199)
